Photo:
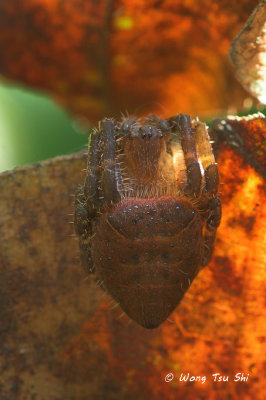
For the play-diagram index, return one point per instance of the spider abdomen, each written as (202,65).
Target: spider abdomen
(147,252)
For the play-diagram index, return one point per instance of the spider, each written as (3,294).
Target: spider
(148,212)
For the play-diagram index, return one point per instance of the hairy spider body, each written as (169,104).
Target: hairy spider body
(148,212)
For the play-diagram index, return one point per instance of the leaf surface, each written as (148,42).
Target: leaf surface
(248,53)
(62,338)
(101,58)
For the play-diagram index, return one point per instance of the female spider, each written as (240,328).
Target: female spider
(147,214)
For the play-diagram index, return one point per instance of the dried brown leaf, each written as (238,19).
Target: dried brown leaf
(248,53)
(59,339)
(110,56)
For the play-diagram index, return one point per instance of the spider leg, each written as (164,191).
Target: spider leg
(87,199)
(83,229)
(183,123)
(213,221)
(207,159)
(109,177)
(91,189)
(211,179)
(208,198)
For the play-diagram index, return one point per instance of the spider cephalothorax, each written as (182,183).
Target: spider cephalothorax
(147,214)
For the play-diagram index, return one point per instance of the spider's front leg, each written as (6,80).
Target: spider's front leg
(197,150)
(212,224)
(110,174)
(83,229)
(87,202)
(183,124)
(209,191)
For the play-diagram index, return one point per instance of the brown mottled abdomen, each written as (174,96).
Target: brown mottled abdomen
(147,252)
